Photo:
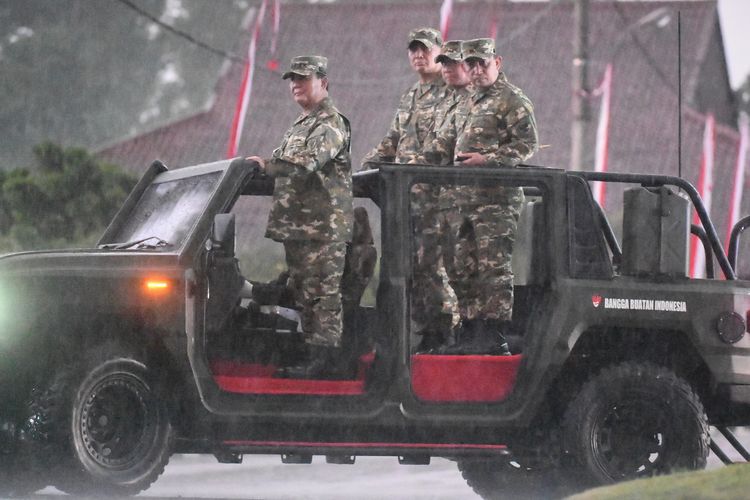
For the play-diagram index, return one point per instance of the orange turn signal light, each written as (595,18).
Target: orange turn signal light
(157,285)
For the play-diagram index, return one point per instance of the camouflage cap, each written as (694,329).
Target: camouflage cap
(480,48)
(451,51)
(307,66)
(429,37)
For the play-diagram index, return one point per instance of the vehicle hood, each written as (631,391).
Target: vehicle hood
(83,261)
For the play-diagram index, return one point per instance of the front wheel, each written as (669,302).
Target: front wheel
(114,431)
(18,478)
(635,420)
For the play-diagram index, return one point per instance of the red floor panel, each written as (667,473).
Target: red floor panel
(259,379)
(435,378)
(442,378)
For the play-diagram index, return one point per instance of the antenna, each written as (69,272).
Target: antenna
(679,95)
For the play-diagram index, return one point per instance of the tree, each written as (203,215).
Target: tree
(90,73)
(65,199)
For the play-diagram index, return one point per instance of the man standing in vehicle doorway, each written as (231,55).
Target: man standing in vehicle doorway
(497,129)
(312,212)
(409,131)
(440,302)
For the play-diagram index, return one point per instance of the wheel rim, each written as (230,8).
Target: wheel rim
(117,423)
(630,439)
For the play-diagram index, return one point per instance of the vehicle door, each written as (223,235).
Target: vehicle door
(454,215)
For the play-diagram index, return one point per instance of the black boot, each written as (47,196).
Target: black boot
(436,335)
(322,363)
(491,339)
(466,337)
(479,336)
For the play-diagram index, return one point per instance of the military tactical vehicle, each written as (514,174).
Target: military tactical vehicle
(114,358)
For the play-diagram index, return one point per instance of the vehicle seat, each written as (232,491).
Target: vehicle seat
(527,266)
(224,286)
(360,260)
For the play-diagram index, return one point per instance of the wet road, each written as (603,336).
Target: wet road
(265,477)
(189,477)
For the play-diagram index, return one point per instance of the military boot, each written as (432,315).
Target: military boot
(437,334)
(490,339)
(466,337)
(479,336)
(322,363)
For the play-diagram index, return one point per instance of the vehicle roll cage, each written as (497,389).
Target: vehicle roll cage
(707,233)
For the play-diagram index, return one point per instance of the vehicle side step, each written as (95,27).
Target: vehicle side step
(296,458)
(340,459)
(414,460)
(733,442)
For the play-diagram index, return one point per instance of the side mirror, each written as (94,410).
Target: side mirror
(222,234)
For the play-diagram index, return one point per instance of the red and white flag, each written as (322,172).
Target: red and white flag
(276,13)
(493,28)
(273,63)
(246,88)
(705,189)
(739,175)
(446,15)
(602,133)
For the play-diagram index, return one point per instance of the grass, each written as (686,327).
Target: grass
(726,483)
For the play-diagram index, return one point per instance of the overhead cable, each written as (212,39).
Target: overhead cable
(181,33)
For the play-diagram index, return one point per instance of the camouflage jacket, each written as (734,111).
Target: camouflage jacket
(498,122)
(454,107)
(413,121)
(312,197)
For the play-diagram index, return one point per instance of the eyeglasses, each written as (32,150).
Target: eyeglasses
(473,63)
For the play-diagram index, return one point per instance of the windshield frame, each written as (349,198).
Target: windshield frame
(158,174)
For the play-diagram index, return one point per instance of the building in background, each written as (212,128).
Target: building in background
(365,44)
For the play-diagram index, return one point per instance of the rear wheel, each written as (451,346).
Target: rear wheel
(635,420)
(532,471)
(110,424)
(510,479)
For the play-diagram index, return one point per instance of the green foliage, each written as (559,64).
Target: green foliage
(91,72)
(727,483)
(65,199)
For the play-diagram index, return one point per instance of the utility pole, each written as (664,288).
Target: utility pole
(581,112)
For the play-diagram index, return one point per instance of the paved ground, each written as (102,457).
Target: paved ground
(191,477)
(265,477)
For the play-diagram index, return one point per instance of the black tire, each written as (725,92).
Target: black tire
(24,457)
(532,470)
(508,478)
(109,423)
(634,420)
(18,478)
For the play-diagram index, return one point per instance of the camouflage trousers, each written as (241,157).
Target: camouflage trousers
(431,292)
(477,256)
(315,270)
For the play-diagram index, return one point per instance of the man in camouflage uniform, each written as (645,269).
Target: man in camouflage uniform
(439,301)
(415,113)
(312,211)
(496,128)
(457,79)
(410,128)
